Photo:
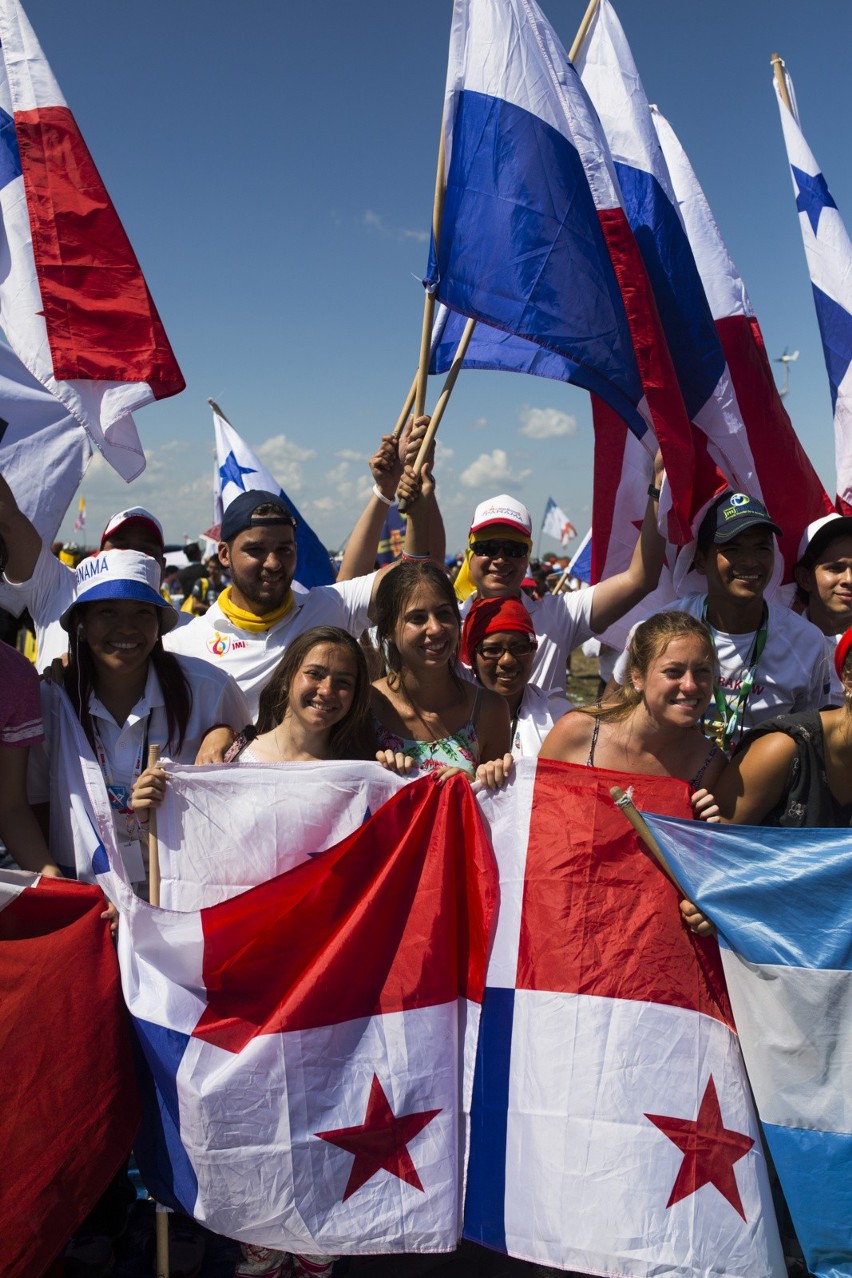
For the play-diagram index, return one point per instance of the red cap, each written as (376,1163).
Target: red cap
(841,652)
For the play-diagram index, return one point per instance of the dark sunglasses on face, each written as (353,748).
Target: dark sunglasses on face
(508,549)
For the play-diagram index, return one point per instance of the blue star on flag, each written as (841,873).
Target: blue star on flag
(231,472)
(813,197)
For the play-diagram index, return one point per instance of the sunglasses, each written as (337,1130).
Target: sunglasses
(517,650)
(493,549)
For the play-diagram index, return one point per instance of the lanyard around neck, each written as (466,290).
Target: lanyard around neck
(731,710)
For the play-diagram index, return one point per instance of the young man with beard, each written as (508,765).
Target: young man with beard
(771,661)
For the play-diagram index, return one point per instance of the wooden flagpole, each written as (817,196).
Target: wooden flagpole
(406,410)
(217,410)
(429,300)
(443,399)
(634,816)
(777,63)
(583,29)
(161,1213)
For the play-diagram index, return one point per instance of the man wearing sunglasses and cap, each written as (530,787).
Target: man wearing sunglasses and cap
(496,564)
(35,579)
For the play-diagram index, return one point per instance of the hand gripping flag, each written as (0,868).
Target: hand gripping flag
(238,470)
(73,302)
(829,255)
(533,239)
(612,1130)
(71,1106)
(783,468)
(311,1041)
(782,900)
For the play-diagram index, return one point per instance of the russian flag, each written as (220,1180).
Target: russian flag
(612,1130)
(783,468)
(782,900)
(534,241)
(311,1042)
(74,304)
(829,255)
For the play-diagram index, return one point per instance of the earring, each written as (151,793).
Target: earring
(81,633)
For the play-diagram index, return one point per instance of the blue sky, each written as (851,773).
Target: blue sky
(274,165)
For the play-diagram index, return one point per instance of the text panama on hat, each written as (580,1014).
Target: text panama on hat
(120,574)
(502,510)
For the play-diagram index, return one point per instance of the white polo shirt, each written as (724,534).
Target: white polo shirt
(792,674)
(250,657)
(561,624)
(215,699)
(537,714)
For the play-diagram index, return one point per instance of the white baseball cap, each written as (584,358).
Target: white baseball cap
(119,574)
(136,514)
(502,510)
(814,539)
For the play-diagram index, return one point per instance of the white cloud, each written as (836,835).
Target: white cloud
(376,223)
(489,468)
(280,450)
(479,423)
(547,423)
(349,454)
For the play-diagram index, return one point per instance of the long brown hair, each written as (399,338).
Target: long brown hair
(348,739)
(395,589)
(648,641)
(81,676)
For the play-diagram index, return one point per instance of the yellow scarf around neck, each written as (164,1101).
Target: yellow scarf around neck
(253,622)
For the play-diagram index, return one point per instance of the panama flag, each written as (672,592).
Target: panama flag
(238,470)
(783,467)
(557,524)
(829,254)
(70,1102)
(73,302)
(782,900)
(311,1041)
(533,239)
(612,1130)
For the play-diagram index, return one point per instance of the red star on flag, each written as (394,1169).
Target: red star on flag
(709,1150)
(380,1143)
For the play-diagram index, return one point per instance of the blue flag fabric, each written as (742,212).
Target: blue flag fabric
(782,901)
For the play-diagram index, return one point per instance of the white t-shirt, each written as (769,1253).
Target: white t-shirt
(251,657)
(215,699)
(561,624)
(46,594)
(792,674)
(837,693)
(537,714)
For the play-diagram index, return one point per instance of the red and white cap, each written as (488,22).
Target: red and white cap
(136,514)
(821,532)
(502,510)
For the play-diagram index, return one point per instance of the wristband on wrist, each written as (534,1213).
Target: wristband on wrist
(414,559)
(653,492)
(377,492)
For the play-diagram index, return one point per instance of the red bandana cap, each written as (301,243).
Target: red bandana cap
(841,652)
(491,617)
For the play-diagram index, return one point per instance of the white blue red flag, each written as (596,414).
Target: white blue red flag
(70,1101)
(829,255)
(74,304)
(783,468)
(240,469)
(609,74)
(782,900)
(311,1041)
(612,1129)
(534,241)
(557,524)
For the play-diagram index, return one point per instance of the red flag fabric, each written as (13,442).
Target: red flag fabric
(71,1102)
